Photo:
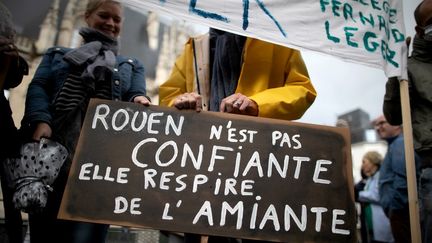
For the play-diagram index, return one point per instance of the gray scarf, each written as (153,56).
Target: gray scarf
(226,55)
(97,55)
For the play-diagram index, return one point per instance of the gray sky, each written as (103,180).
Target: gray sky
(343,87)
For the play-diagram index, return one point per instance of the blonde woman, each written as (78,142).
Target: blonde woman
(377,223)
(57,99)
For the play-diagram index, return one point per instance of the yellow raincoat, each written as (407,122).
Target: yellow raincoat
(275,77)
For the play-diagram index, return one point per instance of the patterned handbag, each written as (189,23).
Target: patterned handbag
(33,172)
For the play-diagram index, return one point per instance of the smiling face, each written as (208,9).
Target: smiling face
(384,129)
(106,17)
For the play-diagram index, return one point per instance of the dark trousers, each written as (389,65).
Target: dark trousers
(9,147)
(400,225)
(194,238)
(13,220)
(46,228)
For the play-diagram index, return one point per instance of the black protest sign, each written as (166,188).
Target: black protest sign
(211,173)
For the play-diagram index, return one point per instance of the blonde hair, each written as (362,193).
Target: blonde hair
(374,157)
(92,5)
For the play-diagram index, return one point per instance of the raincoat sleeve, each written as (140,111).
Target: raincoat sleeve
(179,80)
(276,78)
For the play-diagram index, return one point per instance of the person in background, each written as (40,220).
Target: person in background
(377,224)
(420,89)
(393,180)
(57,99)
(358,187)
(12,69)
(225,72)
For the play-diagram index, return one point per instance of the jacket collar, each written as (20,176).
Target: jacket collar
(392,139)
(422,49)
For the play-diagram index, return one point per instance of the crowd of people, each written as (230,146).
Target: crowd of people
(383,192)
(391,191)
(219,72)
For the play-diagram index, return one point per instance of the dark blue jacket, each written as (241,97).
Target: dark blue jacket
(393,181)
(128,81)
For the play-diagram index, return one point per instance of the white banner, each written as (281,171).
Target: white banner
(369,32)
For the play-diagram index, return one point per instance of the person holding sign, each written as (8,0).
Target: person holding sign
(57,99)
(420,86)
(225,72)
(231,73)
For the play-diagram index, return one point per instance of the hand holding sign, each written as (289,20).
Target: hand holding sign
(203,173)
(192,101)
(239,104)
